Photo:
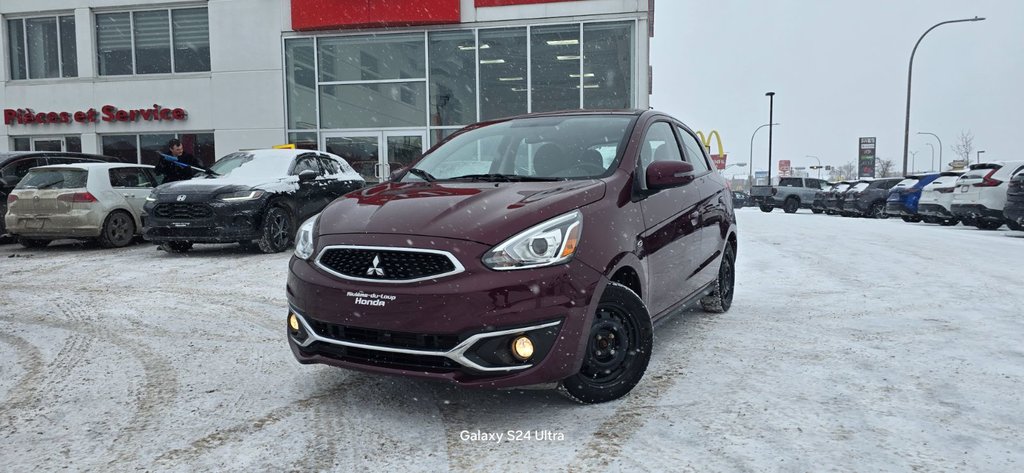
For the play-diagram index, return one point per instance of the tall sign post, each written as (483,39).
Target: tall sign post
(866,160)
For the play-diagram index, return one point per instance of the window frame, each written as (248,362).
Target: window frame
(131,27)
(24,37)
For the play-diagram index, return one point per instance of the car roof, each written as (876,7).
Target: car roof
(88,166)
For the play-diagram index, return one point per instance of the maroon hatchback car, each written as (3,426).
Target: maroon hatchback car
(529,251)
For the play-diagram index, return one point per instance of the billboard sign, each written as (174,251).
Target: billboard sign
(785,167)
(866,157)
(719,160)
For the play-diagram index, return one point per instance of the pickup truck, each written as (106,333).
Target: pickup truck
(792,193)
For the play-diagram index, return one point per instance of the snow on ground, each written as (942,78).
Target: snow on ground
(853,345)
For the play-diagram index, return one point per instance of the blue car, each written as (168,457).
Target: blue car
(903,197)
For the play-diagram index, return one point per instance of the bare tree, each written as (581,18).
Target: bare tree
(846,171)
(964,146)
(885,168)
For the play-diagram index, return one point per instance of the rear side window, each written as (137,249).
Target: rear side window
(54,179)
(130,178)
(791,182)
(694,151)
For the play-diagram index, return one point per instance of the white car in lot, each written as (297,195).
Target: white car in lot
(101,201)
(980,194)
(937,198)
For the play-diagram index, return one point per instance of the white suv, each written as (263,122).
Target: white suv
(937,197)
(980,193)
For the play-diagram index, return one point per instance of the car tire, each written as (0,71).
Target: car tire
(983,224)
(720,299)
(1014,226)
(817,211)
(33,242)
(949,222)
(118,230)
(791,205)
(277,231)
(176,246)
(767,208)
(618,349)
(932,220)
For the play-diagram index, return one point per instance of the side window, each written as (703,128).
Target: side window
(694,152)
(329,165)
(659,145)
(306,163)
(130,178)
(18,169)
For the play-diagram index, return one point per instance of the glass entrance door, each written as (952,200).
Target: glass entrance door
(375,154)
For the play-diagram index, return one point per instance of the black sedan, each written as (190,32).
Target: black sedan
(257,198)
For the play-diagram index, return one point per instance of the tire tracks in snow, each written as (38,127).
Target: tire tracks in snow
(24,390)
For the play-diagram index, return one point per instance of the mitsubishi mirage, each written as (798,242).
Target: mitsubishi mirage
(536,251)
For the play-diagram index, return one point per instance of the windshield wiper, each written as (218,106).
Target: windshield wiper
(505,178)
(426,176)
(50,184)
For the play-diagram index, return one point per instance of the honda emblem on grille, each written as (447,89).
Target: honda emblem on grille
(374,270)
(181,198)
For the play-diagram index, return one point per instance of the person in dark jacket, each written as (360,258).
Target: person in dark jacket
(177,165)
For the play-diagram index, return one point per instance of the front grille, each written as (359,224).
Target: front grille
(383,358)
(385,265)
(183,211)
(414,341)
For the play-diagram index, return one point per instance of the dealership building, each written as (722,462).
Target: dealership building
(374,81)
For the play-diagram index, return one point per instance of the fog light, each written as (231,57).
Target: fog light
(522,347)
(293,322)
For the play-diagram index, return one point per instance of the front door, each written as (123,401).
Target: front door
(375,154)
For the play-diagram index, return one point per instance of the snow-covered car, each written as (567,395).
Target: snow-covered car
(937,197)
(980,194)
(834,196)
(256,198)
(1014,210)
(848,197)
(101,201)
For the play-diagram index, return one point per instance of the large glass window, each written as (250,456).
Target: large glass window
(503,85)
(373,57)
(452,78)
(608,52)
(300,80)
(555,67)
(146,149)
(153,41)
(42,48)
(377,105)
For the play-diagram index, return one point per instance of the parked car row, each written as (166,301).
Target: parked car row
(987,196)
(255,198)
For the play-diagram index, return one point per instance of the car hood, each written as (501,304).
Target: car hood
(484,212)
(226,184)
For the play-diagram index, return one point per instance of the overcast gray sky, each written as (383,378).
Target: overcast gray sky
(839,71)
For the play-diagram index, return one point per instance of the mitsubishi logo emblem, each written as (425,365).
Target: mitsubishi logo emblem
(374,270)
(181,198)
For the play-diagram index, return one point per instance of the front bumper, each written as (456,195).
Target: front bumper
(453,329)
(221,222)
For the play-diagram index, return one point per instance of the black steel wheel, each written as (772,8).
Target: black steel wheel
(720,299)
(618,349)
(276,233)
(118,230)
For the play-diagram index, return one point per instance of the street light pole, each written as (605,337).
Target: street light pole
(771,111)
(910,72)
(932,167)
(819,164)
(750,162)
(979,156)
(940,147)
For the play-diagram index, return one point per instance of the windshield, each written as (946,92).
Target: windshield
(538,148)
(245,165)
(54,179)
(841,187)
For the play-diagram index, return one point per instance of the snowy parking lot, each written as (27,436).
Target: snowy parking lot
(852,344)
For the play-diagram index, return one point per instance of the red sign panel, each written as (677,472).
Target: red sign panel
(719,160)
(784,165)
(336,14)
(106,113)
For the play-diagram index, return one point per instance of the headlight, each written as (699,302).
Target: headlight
(304,240)
(241,195)
(550,243)
(151,197)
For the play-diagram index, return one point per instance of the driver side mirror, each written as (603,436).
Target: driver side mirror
(398,173)
(307,175)
(668,174)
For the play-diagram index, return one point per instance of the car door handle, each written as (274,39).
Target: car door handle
(127,195)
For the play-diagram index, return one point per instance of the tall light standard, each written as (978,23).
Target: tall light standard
(979,155)
(750,163)
(932,167)
(910,72)
(771,111)
(940,146)
(819,164)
